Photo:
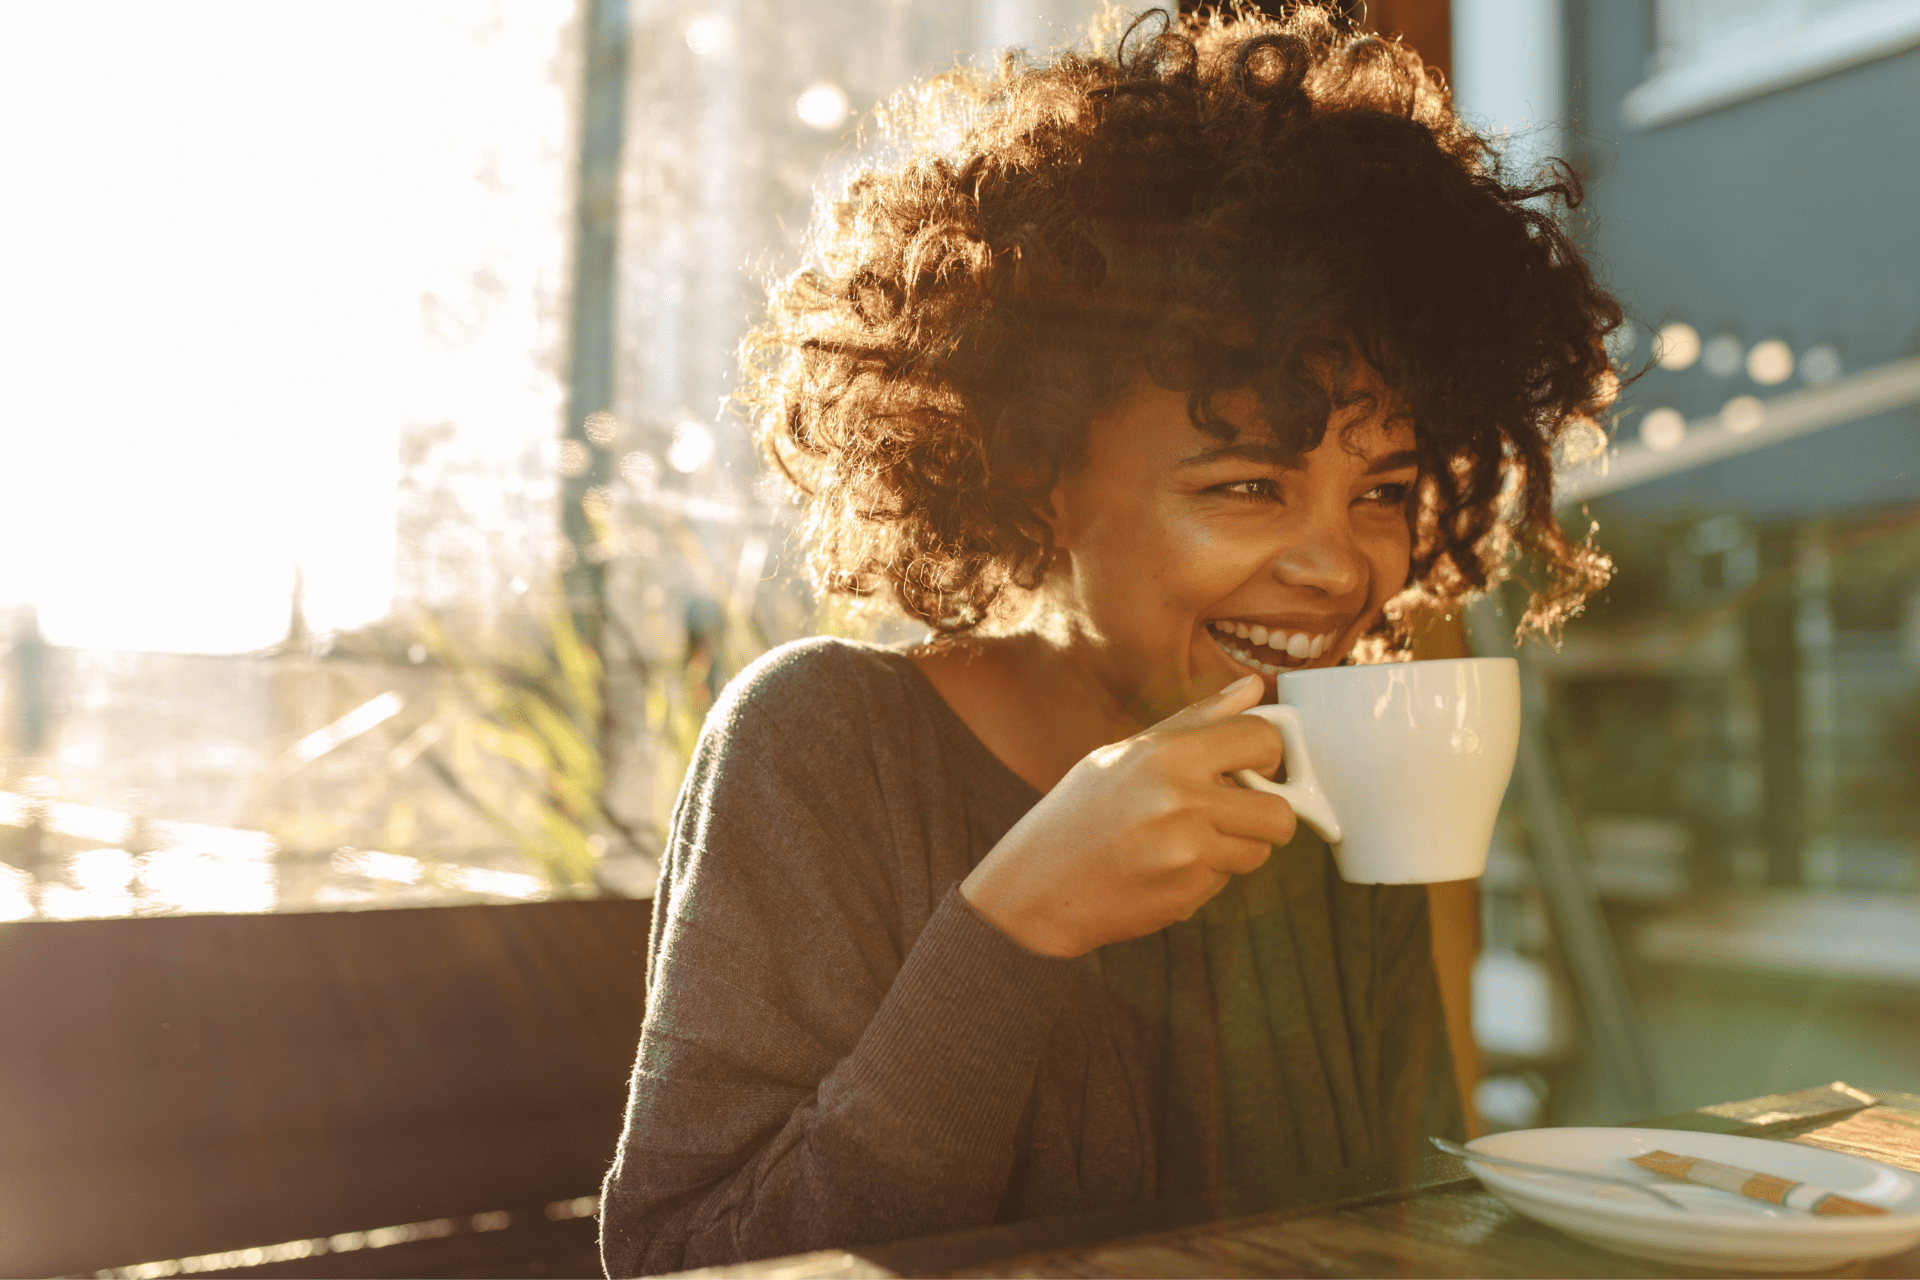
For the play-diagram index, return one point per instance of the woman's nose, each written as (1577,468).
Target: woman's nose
(1324,556)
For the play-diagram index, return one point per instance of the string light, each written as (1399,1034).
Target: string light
(1770,363)
(1677,346)
(1819,365)
(1723,355)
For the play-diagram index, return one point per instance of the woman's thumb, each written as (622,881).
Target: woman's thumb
(1230,701)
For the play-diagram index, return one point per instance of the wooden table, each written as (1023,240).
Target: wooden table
(1430,1219)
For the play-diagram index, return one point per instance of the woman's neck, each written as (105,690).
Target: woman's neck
(1035,703)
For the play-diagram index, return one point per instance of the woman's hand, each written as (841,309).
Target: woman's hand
(1139,834)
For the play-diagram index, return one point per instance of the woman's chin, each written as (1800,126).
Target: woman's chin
(1215,669)
(1232,667)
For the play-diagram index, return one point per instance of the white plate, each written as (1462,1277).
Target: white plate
(1717,1229)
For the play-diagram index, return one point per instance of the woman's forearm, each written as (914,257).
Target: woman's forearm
(913,1131)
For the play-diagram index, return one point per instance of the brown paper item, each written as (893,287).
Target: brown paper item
(1755,1186)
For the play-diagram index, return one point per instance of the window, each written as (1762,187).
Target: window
(1714,52)
(287,342)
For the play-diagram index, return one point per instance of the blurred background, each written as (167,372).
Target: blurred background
(374,531)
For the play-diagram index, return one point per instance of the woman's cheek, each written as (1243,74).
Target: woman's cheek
(1390,557)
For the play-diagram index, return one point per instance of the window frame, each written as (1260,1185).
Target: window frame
(1692,72)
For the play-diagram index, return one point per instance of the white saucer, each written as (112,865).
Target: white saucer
(1717,1229)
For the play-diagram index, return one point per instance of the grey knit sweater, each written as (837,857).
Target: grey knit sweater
(838,1050)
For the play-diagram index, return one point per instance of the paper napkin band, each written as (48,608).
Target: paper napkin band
(1757,1186)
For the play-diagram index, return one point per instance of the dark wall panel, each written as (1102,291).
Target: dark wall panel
(184,1085)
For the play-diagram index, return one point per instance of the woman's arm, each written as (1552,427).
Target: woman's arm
(807,1076)
(816,1068)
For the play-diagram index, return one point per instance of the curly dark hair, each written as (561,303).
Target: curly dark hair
(1225,202)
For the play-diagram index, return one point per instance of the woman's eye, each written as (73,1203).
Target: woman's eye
(1255,490)
(1388,495)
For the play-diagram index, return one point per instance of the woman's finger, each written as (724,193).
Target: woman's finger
(1235,742)
(1238,855)
(1252,815)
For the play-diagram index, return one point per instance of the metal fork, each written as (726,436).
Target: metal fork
(1455,1149)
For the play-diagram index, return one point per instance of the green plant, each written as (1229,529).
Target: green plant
(537,710)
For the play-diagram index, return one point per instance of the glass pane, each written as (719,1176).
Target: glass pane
(288,349)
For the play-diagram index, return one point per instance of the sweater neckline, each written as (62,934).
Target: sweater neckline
(951,729)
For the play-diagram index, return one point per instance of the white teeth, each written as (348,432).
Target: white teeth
(1265,668)
(1297,646)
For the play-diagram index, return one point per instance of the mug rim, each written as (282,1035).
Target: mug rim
(1314,672)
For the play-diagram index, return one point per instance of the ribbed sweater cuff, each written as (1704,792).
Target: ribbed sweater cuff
(951,1053)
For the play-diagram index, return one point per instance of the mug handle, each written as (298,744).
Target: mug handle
(1302,790)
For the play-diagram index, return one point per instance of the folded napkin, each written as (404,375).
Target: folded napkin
(1757,1186)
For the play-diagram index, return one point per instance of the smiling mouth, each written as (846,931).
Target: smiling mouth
(1269,652)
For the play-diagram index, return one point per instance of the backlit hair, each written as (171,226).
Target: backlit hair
(1221,202)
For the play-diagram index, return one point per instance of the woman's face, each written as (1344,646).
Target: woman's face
(1188,562)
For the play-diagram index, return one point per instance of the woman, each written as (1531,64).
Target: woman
(1174,372)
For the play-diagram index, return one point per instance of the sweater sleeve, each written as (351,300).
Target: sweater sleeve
(807,1076)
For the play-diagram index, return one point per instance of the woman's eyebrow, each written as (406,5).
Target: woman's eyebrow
(1271,455)
(1393,461)
(1274,456)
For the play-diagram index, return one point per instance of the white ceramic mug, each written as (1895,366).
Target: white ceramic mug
(1400,766)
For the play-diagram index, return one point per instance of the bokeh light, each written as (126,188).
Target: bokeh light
(1662,430)
(823,107)
(1743,414)
(1677,346)
(601,428)
(1723,355)
(638,469)
(691,448)
(709,35)
(1819,365)
(1770,362)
